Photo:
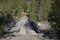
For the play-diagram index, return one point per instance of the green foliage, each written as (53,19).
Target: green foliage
(45,7)
(1,29)
(54,18)
(10,5)
(39,10)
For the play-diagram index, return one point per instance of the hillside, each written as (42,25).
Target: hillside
(30,17)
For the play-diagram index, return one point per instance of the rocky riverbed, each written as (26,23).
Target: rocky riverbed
(24,30)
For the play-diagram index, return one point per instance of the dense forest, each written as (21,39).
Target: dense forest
(38,10)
